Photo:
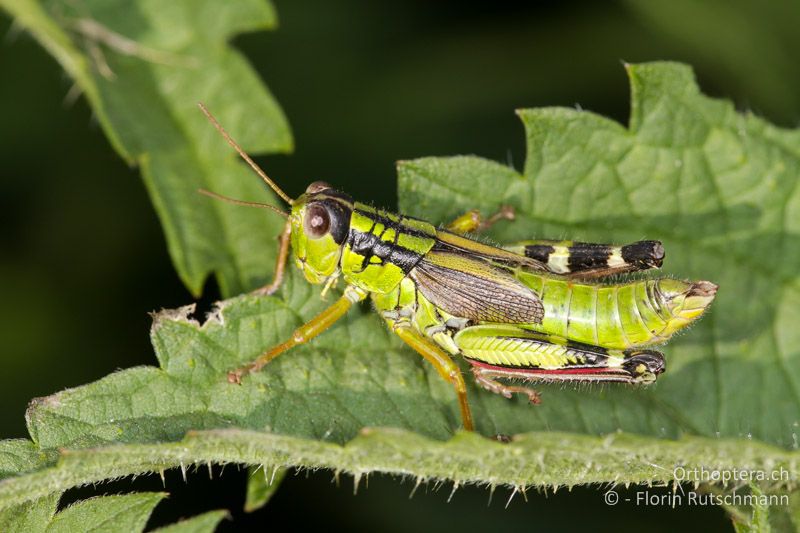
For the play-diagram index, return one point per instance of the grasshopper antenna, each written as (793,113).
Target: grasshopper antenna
(242,202)
(244,156)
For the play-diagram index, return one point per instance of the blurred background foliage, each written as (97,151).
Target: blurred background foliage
(363,84)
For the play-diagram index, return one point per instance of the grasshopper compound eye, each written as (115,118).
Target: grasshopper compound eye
(317,221)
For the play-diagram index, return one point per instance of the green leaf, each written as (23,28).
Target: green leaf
(128,512)
(751,510)
(203,523)
(758,515)
(29,516)
(262,484)
(544,460)
(143,66)
(717,187)
(20,455)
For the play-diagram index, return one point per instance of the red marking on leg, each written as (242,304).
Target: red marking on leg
(553,371)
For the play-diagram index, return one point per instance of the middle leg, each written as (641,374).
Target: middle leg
(445,366)
(303,334)
(473,220)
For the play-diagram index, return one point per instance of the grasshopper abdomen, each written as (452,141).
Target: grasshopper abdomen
(622,315)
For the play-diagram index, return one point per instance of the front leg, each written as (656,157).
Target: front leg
(303,334)
(280,262)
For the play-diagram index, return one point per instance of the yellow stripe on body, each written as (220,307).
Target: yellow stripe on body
(558,261)
(615,259)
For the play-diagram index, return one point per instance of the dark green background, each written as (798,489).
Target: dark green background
(364,84)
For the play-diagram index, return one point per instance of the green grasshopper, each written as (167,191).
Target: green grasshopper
(532,311)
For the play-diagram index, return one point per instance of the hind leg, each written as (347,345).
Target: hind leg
(510,352)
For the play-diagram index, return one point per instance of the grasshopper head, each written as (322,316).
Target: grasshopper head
(687,300)
(320,224)
(320,218)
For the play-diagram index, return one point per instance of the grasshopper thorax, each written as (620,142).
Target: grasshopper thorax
(320,221)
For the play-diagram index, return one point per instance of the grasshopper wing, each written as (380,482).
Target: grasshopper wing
(471,287)
(451,242)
